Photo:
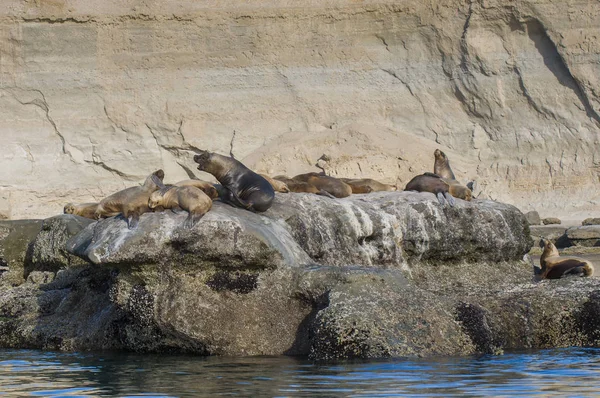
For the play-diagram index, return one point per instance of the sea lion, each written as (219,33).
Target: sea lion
(332,185)
(555,267)
(367,185)
(131,202)
(188,197)
(86,210)
(433,183)
(301,187)
(241,186)
(441,166)
(204,186)
(278,186)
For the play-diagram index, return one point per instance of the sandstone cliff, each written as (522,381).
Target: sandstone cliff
(95,95)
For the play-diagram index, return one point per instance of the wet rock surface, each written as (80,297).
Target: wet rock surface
(380,275)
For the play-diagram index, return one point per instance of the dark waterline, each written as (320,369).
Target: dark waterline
(560,372)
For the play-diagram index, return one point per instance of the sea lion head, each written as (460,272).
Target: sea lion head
(160,174)
(69,208)
(549,248)
(439,154)
(156,199)
(202,158)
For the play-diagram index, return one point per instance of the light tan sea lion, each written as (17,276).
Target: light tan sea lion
(188,197)
(131,202)
(204,186)
(242,187)
(367,185)
(555,267)
(86,210)
(441,165)
(332,185)
(278,186)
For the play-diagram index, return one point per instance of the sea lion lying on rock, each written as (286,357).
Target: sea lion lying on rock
(367,185)
(205,186)
(301,187)
(190,198)
(87,210)
(278,186)
(332,185)
(241,186)
(554,267)
(131,202)
(429,182)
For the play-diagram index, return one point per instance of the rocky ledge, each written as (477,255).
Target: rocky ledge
(386,274)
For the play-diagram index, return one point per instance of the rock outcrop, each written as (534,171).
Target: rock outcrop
(95,95)
(378,275)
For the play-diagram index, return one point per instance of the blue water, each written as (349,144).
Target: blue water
(561,372)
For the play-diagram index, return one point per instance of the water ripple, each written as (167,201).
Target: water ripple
(573,372)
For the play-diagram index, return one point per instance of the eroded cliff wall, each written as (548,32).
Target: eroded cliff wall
(96,95)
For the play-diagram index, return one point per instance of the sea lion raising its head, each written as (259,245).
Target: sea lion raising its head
(278,186)
(241,186)
(204,186)
(555,267)
(86,210)
(188,197)
(131,202)
(367,185)
(332,185)
(441,166)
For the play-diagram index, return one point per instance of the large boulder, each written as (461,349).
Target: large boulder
(386,274)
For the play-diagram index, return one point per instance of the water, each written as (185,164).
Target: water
(572,372)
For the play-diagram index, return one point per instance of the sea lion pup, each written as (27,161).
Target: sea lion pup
(332,185)
(555,267)
(86,210)
(131,202)
(441,166)
(241,186)
(278,186)
(367,185)
(190,198)
(433,183)
(204,186)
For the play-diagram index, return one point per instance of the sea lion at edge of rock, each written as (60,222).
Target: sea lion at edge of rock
(132,202)
(367,185)
(86,210)
(205,186)
(187,197)
(431,183)
(441,166)
(278,186)
(332,185)
(241,186)
(555,267)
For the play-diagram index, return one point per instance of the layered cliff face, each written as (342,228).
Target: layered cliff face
(94,96)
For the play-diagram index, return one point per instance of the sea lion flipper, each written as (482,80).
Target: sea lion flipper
(325,193)
(450,199)
(133,220)
(440,198)
(192,220)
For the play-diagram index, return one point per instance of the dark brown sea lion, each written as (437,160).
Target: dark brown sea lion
(204,186)
(241,186)
(278,186)
(441,165)
(433,183)
(332,185)
(190,198)
(367,185)
(556,267)
(86,210)
(131,202)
